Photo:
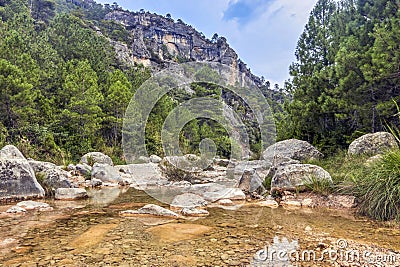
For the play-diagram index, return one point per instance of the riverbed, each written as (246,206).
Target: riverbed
(92,233)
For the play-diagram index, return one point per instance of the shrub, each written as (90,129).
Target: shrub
(379,190)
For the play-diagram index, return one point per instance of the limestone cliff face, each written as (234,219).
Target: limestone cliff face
(159,41)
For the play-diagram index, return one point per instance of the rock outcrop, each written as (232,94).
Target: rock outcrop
(292,149)
(373,144)
(159,41)
(17,178)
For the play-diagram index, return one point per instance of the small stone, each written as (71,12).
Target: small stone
(308,229)
(308,202)
(16,209)
(224,257)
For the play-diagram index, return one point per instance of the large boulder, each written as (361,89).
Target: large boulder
(53,176)
(17,178)
(373,144)
(96,157)
(106,173)
(292,149)
(292,177)
(57,178)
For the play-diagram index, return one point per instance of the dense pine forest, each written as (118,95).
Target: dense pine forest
(346,80)
(63,90)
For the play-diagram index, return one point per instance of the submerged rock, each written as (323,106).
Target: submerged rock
(373,144)
(193,212)
(291,177)
(70,193)
(34,205)
(17,178)
(188,200)
(151,209)
(293,149)
(16,209)
(213,192)
(96,157)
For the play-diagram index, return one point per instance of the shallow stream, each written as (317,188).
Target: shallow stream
(92,233)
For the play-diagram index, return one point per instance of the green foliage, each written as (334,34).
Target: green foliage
(379,189)
(319,186)
(346,73)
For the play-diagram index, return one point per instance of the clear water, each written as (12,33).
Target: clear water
(92,233)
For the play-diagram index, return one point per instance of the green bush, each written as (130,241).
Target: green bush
(379,189)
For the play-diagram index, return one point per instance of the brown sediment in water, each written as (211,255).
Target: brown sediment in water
(98,236)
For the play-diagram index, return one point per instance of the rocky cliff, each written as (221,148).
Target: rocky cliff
(158,41)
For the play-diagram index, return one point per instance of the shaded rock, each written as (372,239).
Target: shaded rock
(212,192)
(151,209)
(54,176)
(41,166)
(193,212)
(155,159)
(293,149)
(70,193)
(17,178)
(250,181)
(188,200)
(221,162)
(105,173)
(96,157)
(16,209)
(83,169)
(33,205)
(373,143)
(57,178)
(11,152)
(292,177)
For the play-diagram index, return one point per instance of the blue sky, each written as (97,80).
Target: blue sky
(264,33)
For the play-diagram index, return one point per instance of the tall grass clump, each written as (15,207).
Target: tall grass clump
(379,190)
